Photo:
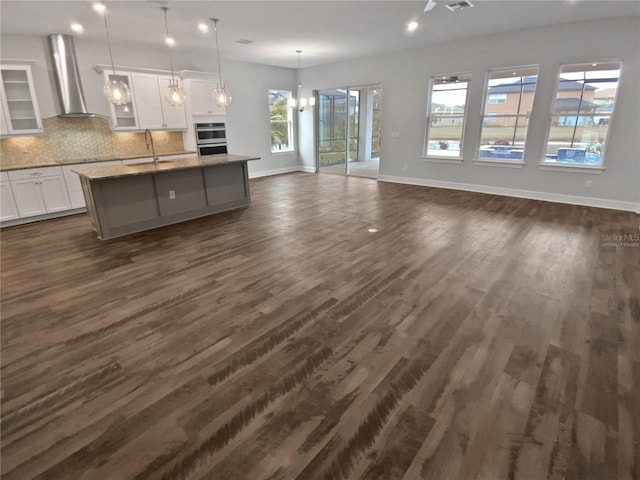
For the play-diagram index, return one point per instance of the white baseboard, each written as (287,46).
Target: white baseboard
(306,168)
(276,171)
(512,192)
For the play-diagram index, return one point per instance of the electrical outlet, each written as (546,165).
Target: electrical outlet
(588,184)
(172,194)
(405,167)
(395,134)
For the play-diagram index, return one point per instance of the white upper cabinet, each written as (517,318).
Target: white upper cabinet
(174,117)
(20,113)
(147,96)
(123,117)
(200,98)
(4,127)
(154,112)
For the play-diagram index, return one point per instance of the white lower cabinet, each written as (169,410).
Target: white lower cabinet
(8,208)
(54,194)
(74,187)
(28,198)
(38,191)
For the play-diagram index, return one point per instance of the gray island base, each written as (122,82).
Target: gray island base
(124,199)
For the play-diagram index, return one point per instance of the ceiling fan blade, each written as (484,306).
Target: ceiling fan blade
(429,6)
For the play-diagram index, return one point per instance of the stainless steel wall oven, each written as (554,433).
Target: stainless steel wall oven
(211,138)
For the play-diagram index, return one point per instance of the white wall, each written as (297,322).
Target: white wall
(248,127)
(249,131)
(405,78)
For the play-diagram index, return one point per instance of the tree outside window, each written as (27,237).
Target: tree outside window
(281,121)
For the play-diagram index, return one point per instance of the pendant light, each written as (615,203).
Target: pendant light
(221,95)
(301,103)
(116,91)
(174,93)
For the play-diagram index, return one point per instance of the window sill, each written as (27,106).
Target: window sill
(499,163)
(283,152)
(567,167)
(442,160)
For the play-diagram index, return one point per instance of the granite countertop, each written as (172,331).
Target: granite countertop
(114,171)
(51,163)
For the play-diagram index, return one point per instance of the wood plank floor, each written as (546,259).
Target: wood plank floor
(471,337)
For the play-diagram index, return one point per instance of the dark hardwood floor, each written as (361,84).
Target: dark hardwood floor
(471,337)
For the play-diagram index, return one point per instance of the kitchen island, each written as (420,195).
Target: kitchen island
(124,199)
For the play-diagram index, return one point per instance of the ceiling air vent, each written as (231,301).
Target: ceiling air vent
(454,7)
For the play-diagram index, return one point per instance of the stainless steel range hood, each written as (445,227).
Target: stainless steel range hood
(65,68)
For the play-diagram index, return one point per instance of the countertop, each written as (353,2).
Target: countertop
(50,163)
(114,171)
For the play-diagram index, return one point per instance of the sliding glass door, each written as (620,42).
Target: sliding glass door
(349,126)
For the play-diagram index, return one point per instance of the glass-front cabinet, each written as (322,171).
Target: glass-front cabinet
(20,113)
(124,117)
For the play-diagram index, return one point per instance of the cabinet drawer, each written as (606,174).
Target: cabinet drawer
(30,173)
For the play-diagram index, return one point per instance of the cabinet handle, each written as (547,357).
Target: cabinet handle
(35,174)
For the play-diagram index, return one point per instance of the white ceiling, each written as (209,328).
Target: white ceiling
(326,31)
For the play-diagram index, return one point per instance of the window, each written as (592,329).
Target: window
(496,98)
(582,110)
(446,115)
(504,129)
(281,121)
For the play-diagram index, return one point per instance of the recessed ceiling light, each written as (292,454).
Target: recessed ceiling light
(76,27)
(170,41)
(411,26)
(373,230)
(594,64)
(99,7)
(203,27)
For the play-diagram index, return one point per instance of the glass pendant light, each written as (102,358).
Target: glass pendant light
(221,95)
(174,93)
(116,91)
(301,103)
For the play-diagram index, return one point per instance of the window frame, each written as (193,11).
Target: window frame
(479,160)
(584,168)
(425,148)
(289,121)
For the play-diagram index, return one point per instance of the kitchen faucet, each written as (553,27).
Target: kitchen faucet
(148,138)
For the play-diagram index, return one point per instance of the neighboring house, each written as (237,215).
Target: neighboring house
(603,113)
(444,110)
(566,110)
(605,96)
(504,99)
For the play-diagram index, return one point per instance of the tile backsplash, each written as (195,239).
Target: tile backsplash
(68,139)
